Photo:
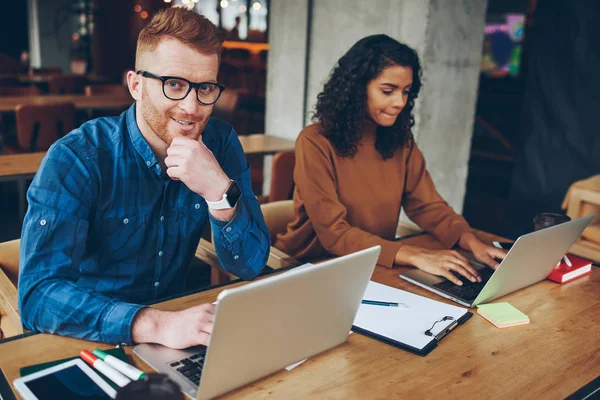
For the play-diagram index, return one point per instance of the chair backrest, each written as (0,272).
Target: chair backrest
(40,125)
(19,91)
(106,88)
(67,84)
(282,176)
(277,215)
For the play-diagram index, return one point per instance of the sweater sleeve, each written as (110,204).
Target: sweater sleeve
(424,205)
(314,175)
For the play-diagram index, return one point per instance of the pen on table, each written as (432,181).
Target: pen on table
(111,373)
(380,303)
(126,369)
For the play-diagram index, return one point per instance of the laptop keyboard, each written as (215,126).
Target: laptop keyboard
(190,367)
(469,290)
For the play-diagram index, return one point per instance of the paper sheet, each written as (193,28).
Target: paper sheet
(408,322)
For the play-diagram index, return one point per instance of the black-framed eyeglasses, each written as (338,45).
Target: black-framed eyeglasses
(176,88)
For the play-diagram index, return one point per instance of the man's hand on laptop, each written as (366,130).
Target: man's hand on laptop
(438,262)
(174,329)
(485,253)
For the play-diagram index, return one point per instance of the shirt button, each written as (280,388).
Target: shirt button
(148,163)
(126,221)
(156,284)
(160,253)
(162,218)
(43,222)
(197,206)
(236,257)
(228,229)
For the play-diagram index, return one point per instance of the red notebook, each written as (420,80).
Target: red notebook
(563,273)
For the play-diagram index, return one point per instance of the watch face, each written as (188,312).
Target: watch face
(233,194)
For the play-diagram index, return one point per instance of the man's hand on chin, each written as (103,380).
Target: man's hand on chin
(191,162)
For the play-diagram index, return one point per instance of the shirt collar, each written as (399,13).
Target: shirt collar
(139,142)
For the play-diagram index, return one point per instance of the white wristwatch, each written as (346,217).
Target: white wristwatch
(229,200)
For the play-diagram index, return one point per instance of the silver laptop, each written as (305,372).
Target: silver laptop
(264,326)
(530,260)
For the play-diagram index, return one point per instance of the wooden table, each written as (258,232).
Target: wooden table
(552,357)
(81,102)
(24,166)
(19,166)
(259,144)
(45,78)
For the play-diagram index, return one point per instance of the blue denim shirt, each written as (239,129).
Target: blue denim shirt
(106,230)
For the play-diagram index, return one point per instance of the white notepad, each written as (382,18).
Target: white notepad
(405,325)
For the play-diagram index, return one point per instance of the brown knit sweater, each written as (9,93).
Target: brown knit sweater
(345,204)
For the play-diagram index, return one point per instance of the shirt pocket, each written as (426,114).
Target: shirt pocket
(122,238)
(191,217)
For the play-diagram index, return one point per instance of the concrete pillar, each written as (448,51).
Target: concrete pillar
(307,37)
(50,30)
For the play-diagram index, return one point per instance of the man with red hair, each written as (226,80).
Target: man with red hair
(118,206)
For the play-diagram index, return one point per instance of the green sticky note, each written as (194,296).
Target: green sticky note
(502,314)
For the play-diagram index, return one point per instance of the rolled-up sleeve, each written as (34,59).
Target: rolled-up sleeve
(242,244)
(53,242)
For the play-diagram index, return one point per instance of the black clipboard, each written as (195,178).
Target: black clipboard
(421,352)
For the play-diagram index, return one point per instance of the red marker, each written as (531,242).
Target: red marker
(111,373)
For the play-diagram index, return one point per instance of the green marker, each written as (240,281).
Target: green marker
(128,370)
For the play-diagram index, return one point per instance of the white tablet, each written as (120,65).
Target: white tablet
(70,380)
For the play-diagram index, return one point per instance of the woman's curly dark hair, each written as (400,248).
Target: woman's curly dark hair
(341,106)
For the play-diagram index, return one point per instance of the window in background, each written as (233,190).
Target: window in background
(245,20)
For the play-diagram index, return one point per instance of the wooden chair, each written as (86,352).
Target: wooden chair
(10,320)
(282,178)
(67,84)
(40,125)
(19,91)
(8,121)
(277,216)
(583,198)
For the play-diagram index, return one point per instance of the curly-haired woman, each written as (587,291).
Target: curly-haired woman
(358,164)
